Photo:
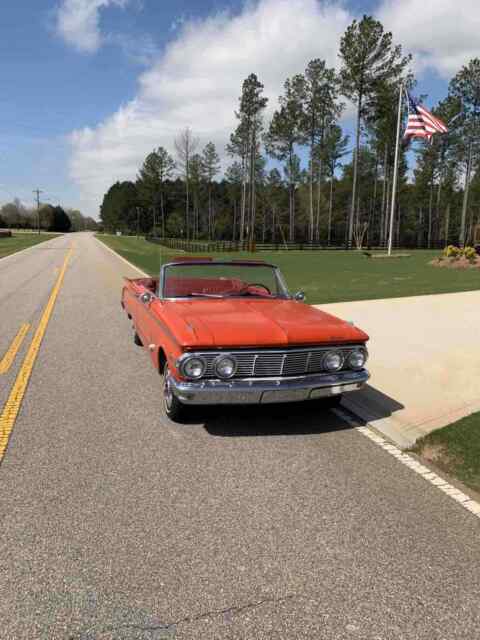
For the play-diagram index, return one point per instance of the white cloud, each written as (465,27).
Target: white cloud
(78,22)
(442,34)
(197,81)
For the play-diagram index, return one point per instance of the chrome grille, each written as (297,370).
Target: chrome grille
(274,363)
(246,363)
(296,363)
(268,364)
(315,361)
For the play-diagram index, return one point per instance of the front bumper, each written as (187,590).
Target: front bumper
(268,390)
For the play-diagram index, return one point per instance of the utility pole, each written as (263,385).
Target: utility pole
(37,192)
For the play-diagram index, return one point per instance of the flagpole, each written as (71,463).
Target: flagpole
(395,169)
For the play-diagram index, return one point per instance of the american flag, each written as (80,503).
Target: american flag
(421,123)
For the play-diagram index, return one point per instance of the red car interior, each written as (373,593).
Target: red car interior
(182,287)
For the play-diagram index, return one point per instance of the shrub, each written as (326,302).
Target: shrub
(452,251)
(470,254)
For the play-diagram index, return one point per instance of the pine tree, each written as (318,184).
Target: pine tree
(196,184)
(156,169)
(319,98)
(118,209)
(283,134)
(275,194)
(245,142)
(210,168)
(238,147)
(335,147)
(293,176)
(185,146)
(465,86)
(369,59)
(234,179)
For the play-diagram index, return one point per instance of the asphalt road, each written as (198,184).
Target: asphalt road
(257,523)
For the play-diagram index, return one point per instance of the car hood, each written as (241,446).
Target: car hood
(254,322)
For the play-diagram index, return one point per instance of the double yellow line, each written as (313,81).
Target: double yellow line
(14,401)
(7,360)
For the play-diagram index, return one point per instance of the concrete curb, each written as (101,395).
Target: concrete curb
(385,426)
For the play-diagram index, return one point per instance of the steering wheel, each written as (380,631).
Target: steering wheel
(256,284)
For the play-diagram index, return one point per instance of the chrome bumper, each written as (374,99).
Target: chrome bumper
(268,390)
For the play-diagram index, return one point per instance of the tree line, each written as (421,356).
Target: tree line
(15,215)
(300,178)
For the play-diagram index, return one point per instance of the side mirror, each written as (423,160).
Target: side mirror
(146,297)
(299,296)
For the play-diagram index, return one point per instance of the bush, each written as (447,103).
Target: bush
(455,253)
(470,254)
(452,251)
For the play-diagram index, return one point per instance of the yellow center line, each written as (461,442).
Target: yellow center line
(14,401)
(8,359)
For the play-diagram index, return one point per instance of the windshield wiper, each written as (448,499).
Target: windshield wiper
(233,294)
(205,295)
(239,294)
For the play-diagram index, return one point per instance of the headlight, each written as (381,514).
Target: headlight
(357,359)
(225,366)
(193,367)
(333,361)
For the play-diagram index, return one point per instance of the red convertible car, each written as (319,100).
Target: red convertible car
(229,332)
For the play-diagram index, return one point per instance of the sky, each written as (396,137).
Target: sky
(90,87)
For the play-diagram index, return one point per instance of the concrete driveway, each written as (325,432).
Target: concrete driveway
(424,360)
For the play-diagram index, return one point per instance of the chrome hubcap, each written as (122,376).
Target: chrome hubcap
(167,390)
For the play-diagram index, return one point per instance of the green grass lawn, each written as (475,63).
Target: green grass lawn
(328,276)
(455,449)
(21,241)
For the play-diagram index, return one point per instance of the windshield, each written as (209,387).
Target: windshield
(222,281)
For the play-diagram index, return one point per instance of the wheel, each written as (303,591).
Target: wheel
(137,340)
(174,409)
(332,401)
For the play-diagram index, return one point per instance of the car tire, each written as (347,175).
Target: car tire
(136,339)
(172,406)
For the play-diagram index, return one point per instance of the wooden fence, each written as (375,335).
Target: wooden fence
(219,246)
